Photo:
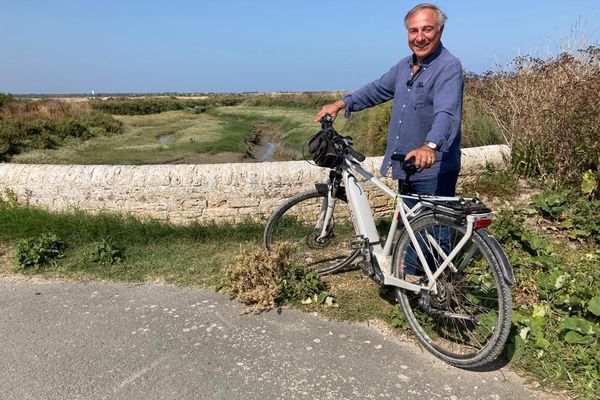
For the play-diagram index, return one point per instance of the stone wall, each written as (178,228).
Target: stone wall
(186,193)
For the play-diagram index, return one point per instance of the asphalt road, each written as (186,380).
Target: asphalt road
(111,341)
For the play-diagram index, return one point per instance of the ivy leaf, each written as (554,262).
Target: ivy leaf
(588,182)
(578,325)
(542,342)
(523,333)
(566,224)
(579,233)
(515,350)
(560,281)
(594,305)
(573,337)
(539,310)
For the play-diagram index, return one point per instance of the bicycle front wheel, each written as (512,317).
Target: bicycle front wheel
(467,322)
(299,222)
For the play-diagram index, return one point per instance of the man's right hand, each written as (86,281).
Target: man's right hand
(332,109)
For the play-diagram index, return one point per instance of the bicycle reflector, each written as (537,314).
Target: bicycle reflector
(482,221)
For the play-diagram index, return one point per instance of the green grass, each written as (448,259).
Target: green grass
(186,136)
(186,255)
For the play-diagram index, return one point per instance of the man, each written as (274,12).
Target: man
(427,91)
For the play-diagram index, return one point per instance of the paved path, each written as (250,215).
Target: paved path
(110,341)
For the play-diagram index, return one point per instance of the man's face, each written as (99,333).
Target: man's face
(423,34)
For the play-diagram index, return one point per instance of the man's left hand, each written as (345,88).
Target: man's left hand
(424,156)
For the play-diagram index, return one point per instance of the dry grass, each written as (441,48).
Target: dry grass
(254,277)
(549,113)
(44,109)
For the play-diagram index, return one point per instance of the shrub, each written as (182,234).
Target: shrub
(27,125)
(299,284)
(107,252)
(549,113)
(39,251)
(264,279)
(5,98)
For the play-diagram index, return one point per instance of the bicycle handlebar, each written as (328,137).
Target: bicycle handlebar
(344,141)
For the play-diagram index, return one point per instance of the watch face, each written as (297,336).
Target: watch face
(431,145)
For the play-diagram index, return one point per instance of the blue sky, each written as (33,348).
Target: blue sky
(70,46)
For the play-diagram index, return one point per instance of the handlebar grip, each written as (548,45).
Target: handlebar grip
(408,165)
(326,122)
(360,157)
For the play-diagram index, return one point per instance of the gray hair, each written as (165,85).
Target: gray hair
(440,19)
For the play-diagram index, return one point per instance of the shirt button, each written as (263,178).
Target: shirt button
(397,137)
(403,105)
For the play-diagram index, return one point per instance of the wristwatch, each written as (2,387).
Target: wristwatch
(431,145)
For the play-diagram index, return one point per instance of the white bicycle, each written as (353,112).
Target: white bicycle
(452,278)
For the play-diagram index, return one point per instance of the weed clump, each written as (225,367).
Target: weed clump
(265,280)
(107,252)
(39,251)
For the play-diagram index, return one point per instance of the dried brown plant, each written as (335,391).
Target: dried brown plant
(548,112)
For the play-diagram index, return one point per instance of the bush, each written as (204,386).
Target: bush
(25,126)
(38,251)
(107,252)
(549,113)
(5,98)
(264,280)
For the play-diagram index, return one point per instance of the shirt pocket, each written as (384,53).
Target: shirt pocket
(420,95)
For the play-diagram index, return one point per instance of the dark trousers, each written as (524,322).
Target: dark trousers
(442,185)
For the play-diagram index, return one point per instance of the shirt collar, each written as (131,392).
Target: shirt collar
(429,59)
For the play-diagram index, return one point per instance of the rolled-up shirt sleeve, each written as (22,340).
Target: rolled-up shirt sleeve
(447,106)
(374,93)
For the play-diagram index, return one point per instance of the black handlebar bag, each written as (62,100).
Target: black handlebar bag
(323,150)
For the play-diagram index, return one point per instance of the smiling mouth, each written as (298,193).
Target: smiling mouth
(421,46)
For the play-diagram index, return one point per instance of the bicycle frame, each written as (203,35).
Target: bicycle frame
(364,224)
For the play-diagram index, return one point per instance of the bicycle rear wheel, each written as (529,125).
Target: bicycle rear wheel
(468,321)
(299,222)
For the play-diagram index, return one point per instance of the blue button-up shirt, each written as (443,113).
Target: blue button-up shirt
(427,108)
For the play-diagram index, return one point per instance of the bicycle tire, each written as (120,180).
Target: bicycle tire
(467,323)
(296,222)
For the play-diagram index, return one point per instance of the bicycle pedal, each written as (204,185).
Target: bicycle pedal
(359,243)
(367,268)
